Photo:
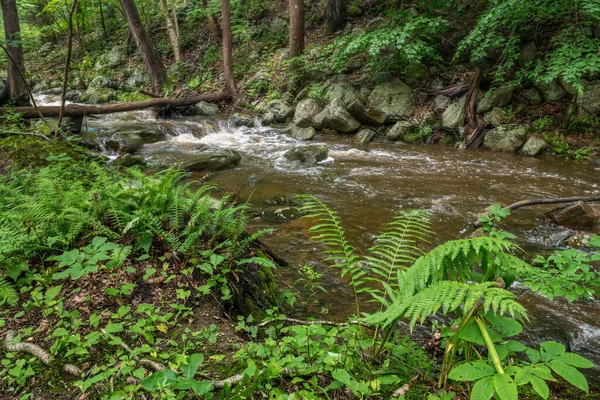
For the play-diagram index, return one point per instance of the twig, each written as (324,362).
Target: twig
(406,387)
(142,361)
(535,202)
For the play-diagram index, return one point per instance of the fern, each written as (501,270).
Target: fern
(8,294)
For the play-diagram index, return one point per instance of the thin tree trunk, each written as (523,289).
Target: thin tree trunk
(335,15)
(175,21)
(228,49)
(212,22)
(67,64)
(16,66)
(173,36)
(100,7)
(296,9)
(154,64)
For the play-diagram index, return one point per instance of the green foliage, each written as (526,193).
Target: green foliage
(563,149)
(8,294)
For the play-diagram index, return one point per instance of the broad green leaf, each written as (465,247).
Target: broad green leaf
(551,350)
(505,387)
(575,360)
(341,375)
(471,371)
(540,386)
(483,389)
(570,375)
(194,361)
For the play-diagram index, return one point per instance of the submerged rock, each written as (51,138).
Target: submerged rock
(364,136)
(308,155)
(281,213)
(212,159)
(393,99)
(533,146)
(577,215)
(506,137)
(242,120)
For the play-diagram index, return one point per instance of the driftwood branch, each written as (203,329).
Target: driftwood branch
(78,110)
(536,202)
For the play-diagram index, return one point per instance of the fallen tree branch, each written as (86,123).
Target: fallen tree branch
(78,110)
(535,202)
(295,321)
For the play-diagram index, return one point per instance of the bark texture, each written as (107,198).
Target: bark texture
(154,64)
(12,29)
(228,49)
(335,15)
(296,28)
(171,30)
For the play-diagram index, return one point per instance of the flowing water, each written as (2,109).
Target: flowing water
(368,185)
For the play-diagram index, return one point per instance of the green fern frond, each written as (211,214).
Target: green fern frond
(8,294)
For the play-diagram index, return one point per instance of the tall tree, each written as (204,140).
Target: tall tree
(228,49)
(335,15)
(154,64)
(296,28)
(171,30)
(16,65)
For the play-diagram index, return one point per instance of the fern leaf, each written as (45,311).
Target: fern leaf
(8,294)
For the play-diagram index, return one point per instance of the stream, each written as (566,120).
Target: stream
(368,185)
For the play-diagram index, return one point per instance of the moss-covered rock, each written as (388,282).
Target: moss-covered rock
(31,151)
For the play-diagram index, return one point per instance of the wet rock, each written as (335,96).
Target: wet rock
(393,99)
(365,115)
(364,136)
(496,117)
(308,155)
(125,142)
(242,120)
(441,102)
(446,139)
(577,215)
(281,213)
(100,82)
(337,118)
(413,138)
(268,118)
(498,97)
(551,91)
(506,137)
(129,160)
(579,241)
(212,159)
(280,109)
(305,111)
(72,96)
(550,236)
(454,116)
(98,96)
(343,92)
(533,146)
(303,134)
(399,130)
(206,109)
(528,53)
(590,100)
(95,139)
(533,96)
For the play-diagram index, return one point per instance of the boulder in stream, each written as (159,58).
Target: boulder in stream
(211,159)
(335,117)
(533,146)
(393,99)
(577,215)
(308,155)
(205,108)
(364,115)
(125,142)
(303,134)
(364,136)
(305,111)
(506,137)
(280,110)
(399,130)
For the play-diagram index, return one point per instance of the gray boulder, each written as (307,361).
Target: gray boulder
(364,136)
(129,160)
(98,96)
(506,137)
(308,155)
(498,97)
(137,79)
(206,108)
(280,109)
(303,134)
(393,99)
(100,82)
(533,146)
(242,120)
(212,159)
(441,102)
(337,118)
(364,115)
(551,91)
(577,215)
(496,117)
(343,92)
(399,130)
(590,100)
(533,96)
(116,56)
(454,116)
(125,142)
(305,111)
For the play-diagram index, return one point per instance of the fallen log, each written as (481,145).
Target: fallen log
(78,110)
(535,202)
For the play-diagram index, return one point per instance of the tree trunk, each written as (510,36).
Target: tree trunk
(154,64)
(228,49)
(213,23)
(296,28)
(78,110)
(335,15)
(173,36)
(16,84)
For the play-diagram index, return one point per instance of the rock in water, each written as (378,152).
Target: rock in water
(506,137)
(305,111)
(212,160)
(578,215)
(399,130)
(343,92)
(308,155)
(280,110)
(281,213)
(335,117)
(303,134)
(533,147)
(364,136)
(393,99)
